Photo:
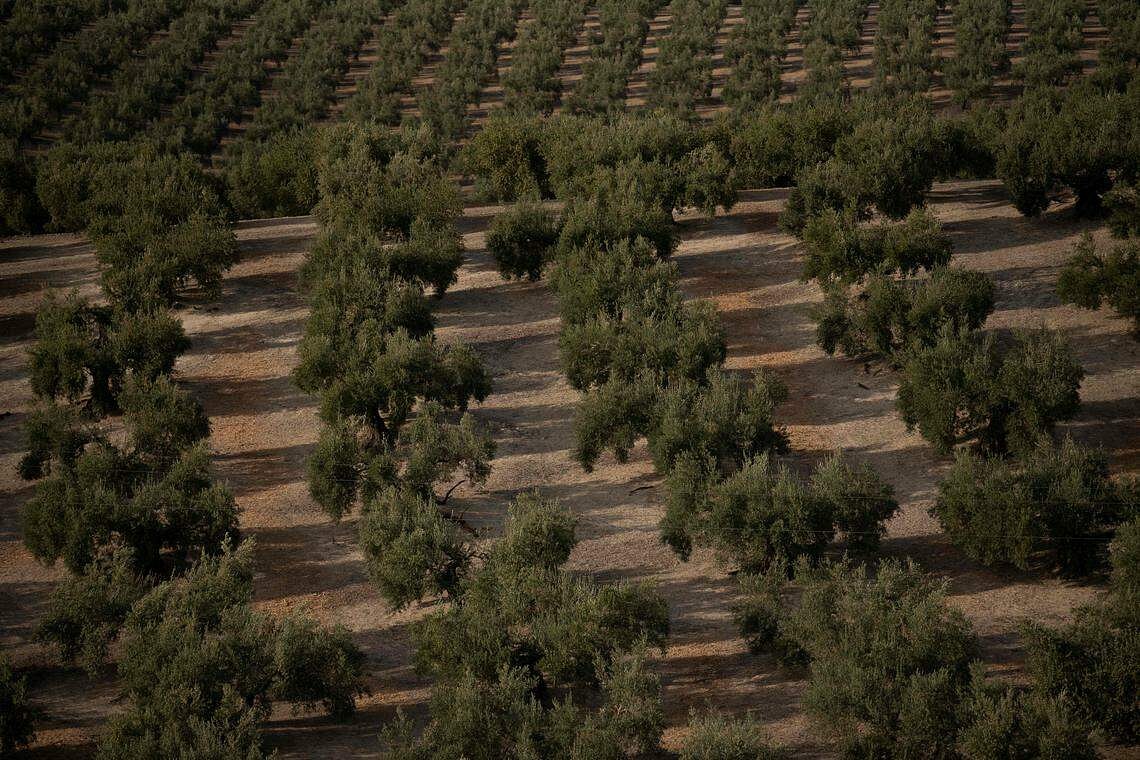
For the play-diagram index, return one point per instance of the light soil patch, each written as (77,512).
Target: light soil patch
(263,429)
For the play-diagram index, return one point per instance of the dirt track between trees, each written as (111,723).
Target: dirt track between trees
(263,428)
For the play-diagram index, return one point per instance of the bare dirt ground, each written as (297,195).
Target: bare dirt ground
(245,346)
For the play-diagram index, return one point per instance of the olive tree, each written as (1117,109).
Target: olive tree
(20,209)
(891,669)
(85,352)
(507,157)
(965,387)
(713,736)
(522,240)
(763,514)
(888,316)
(1053,506)
(155,496)
(273,177)
(1091,279)
(1092,661)
(521,637)
(838,249)
(202,669)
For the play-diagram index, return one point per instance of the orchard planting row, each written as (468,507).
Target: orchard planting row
(1055,33)
(158,586)
(234,81)
(392,402)
(68,72)
(307,83)
(904,52)
(756,51)
(470,62)
(32,29)
(832,30)
(980,30)
(682,76)
(531,84)
(417,29)
(615,52)
(143,85)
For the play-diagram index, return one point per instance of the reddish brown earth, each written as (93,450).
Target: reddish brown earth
(263,428)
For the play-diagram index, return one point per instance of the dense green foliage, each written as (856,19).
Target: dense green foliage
(755,53)
(33,29)
(68,72)
(274,177)
(1078,140)
(308,80)
(85,352)
(233,83)
(616,175)
(682,76)
(158,74)
(887,316)
(1119,56)
(154,495)
(845,252)
(1092,661)
(202,670)
(414,31)
(832,30)
(1056,506)
(888,161)
(531,661)
(20,209)
(980,30)
(967,387)
(891,670)
(17,727)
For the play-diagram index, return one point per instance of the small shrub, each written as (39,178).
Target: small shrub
(713,736)
(1123,204)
